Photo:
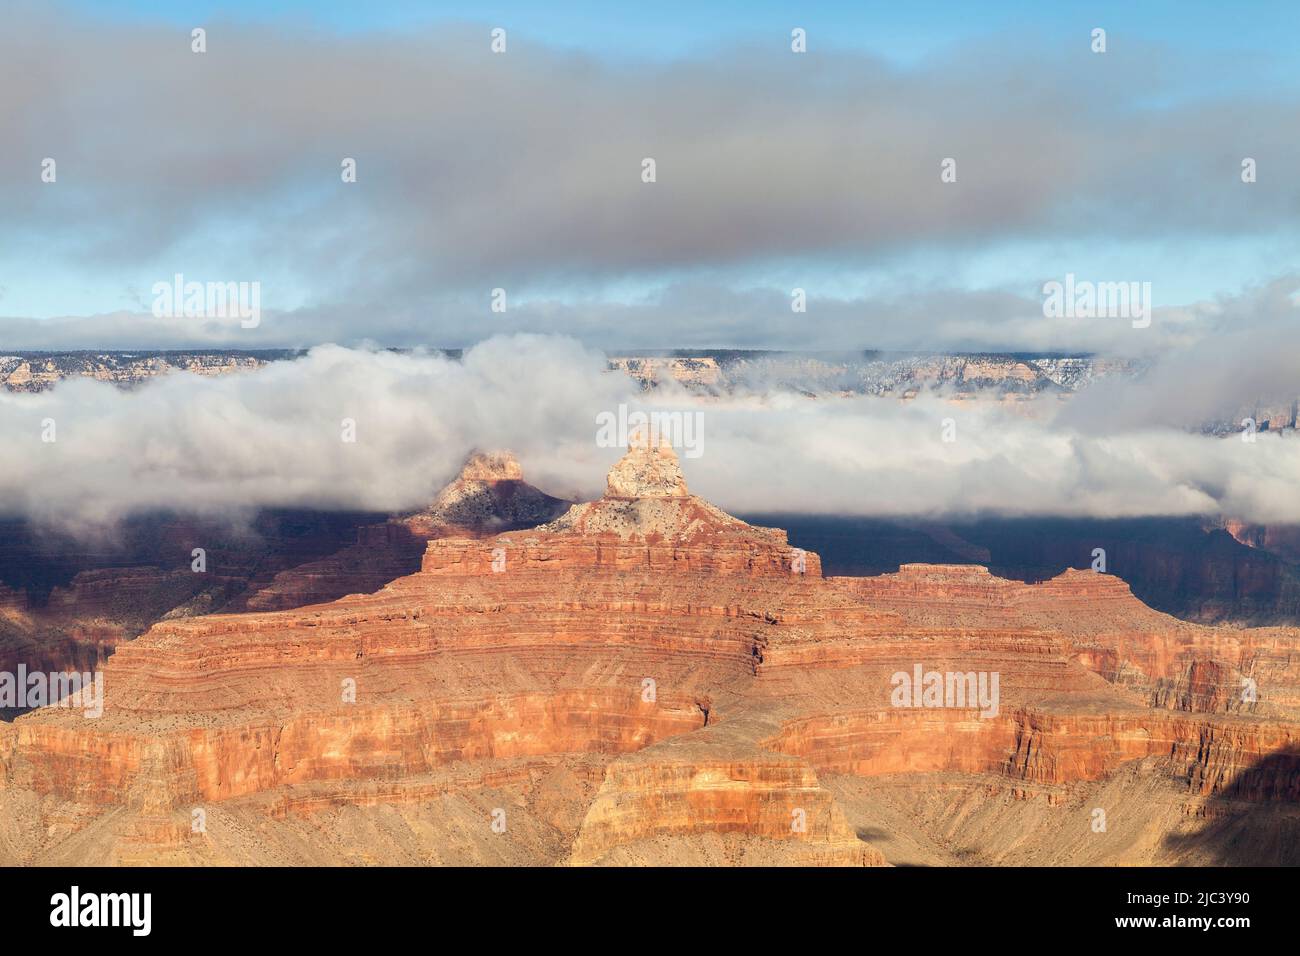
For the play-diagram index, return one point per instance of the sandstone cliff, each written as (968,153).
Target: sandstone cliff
(646,679)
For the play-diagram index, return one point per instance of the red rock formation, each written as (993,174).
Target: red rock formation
(702,692)
(1282,540)
(71,601)
(488,495)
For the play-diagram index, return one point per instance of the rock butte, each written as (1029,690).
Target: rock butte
(646,679)
(488,495)
(282,561)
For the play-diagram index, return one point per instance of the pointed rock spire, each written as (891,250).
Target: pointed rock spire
(491,466)
(650,469)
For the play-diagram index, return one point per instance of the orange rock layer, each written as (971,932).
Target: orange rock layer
(644,679)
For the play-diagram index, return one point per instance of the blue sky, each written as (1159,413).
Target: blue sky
(1215,82)
(902,31)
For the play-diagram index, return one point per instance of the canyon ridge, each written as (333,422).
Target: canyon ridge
(508,679)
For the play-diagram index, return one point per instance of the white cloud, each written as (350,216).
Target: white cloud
(273,438)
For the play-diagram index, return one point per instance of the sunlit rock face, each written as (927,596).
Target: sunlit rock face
(646,679)
(650,469)
(489,494)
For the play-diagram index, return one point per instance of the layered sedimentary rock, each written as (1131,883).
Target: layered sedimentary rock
(1282,540)
(37,371)
(68,602)
(867,373)
(489,495)
(646,679)
(896,374)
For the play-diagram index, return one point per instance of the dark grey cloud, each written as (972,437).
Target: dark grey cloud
(523,170)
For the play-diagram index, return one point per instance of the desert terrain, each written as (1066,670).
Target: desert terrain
(645,679)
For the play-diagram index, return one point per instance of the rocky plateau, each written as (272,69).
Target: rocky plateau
(644,679)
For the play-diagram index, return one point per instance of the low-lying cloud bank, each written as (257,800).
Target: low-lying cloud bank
(276,438)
